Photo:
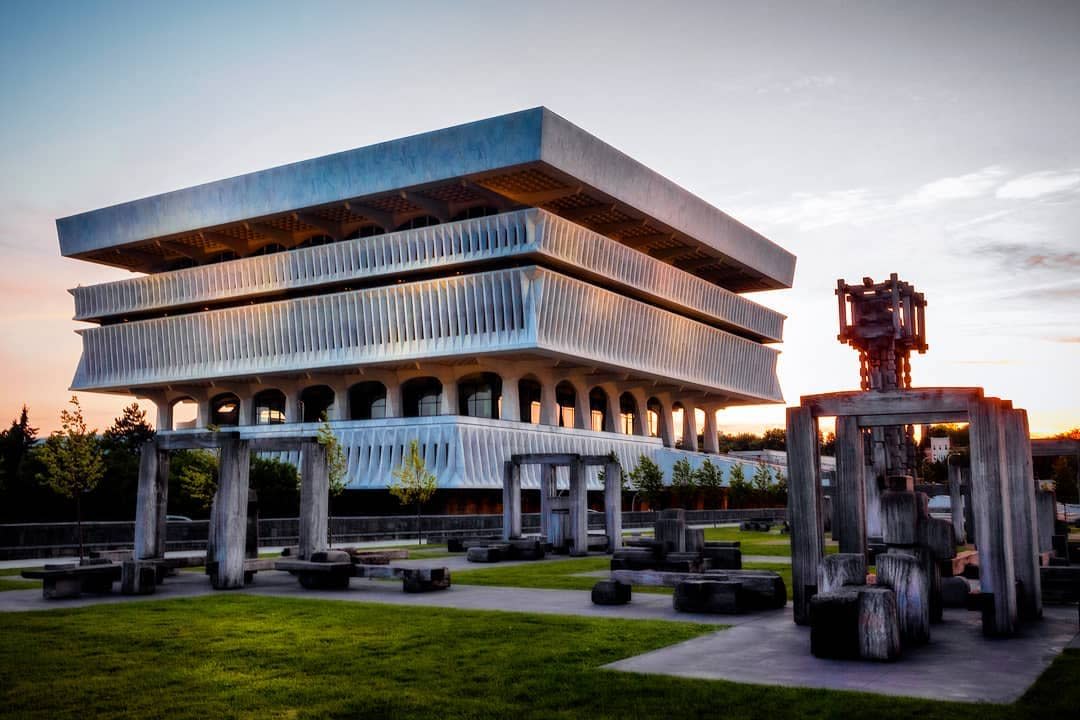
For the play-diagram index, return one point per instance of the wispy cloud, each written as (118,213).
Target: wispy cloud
(1039,184)
(1032,256)
(803,83)
(812,211)
(958,187)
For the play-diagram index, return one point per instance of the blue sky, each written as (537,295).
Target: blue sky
(936,140)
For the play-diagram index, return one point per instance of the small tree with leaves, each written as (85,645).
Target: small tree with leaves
(710,480)
(337,467)
(413,483)
(739,490)
(760,481)
(647,479)
(73,460)
(683,482)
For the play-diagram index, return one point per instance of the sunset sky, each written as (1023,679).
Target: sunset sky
(940,141)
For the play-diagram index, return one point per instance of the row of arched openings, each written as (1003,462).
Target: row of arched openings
(479,395)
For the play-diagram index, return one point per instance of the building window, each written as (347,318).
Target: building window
(185,414)
(480,395)
(627,413)
(418,222)
(477,211)
(566,398)
(421,397)
(225,410)
(315,403)
(598,409)
(269,407)
(678,420)
(529,392)
(367,401)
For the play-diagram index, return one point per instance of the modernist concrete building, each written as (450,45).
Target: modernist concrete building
(512,285)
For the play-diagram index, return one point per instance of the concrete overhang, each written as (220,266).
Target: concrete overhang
(528,158)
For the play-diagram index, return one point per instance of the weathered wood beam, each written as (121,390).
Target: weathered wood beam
(579,509)
(511,498)
(849,500)
(1025,527)
(1053,447)
(897,402)
(613,505)
(314,499)
(804,508)
(151,501)
(202,440)
(926,418)
(228,517)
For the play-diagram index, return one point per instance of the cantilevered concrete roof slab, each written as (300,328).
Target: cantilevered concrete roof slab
(528,158)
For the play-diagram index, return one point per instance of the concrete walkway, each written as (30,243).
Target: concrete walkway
(958,664)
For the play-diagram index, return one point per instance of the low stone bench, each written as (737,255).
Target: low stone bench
(719,597)
(378,557)
(763,589)
(326,570)
(70,581)
(610,592)
(487,553)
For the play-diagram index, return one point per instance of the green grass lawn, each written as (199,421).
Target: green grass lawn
(760,543)
(554,575)
(19,584)
(246,656)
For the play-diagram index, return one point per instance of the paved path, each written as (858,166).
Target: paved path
(958,664)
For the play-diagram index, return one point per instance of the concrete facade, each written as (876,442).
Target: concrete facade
(508,286)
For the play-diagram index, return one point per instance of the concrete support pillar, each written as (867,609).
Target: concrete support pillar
(247,409)
(511,501)
(202,416)
(874,482)
(393,399)
(292,404)
(690,429)
(956,500)
(314,499)
(804,508)
(993,521)
(549,404)
(582,412)
(151,502)
(667,421)
(613,505)
(228,518)
(547,492)
(712,432)
(579,509)
(449,400)
(849,500)
(641,421)
(1021,493)
(511,399)
(164,415)
(340,409)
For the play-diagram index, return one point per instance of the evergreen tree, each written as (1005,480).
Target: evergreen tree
(413,483)
(73,460)
(683,482)
(738,488)
(15,443)
(710,480)
(122,444)
(647,480)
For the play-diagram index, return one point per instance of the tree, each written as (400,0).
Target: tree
(761,480)
(337,467)
(774,439)
(15,442)
(647,480)
(683,482)
(778,490)
(710,480)
(413,484)
(73,460)
(195,472)
(122,444)
(739,491)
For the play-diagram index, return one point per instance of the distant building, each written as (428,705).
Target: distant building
(512,285)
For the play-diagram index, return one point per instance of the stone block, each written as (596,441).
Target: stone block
(839,570)
(610,592)
(695,540)
(723,558)
(419,580)
(138,578)
(330,556)
(722,597)
(905,575)
(834,624)
(879,624)
(672,533)
(634,559)
(899,518)
(761,589)
(486,554)
(955,592)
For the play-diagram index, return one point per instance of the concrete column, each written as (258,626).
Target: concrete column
(228,520)
(1020,490)
(956,500)
(667,421)
(449,400)
(690,432)
(314,499)
(340,409)
(292,404)
(511,501)
(247,409)
(393,399)
(582,413)
(712,432)
(993,521)
(613,505)
(549,404)
(202,416)
(164,415)
(511,399)
(579,509)
(849,500)
(804,508)
(641,422)
(547,491)
(151,502)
